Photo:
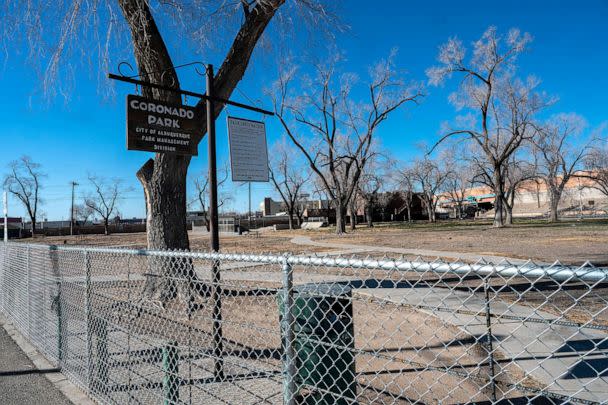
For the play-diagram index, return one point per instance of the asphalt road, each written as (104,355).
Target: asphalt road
(20,381)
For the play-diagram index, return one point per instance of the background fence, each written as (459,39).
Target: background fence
(134,326)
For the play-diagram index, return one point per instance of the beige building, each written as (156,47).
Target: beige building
(532,199)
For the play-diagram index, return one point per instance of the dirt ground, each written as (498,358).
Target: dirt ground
(262,242)
(398,353)
(568,242)
(573,242)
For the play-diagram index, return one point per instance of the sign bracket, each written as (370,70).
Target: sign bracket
(188,93)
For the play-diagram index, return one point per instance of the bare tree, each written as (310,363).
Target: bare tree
(559,155)
(82,213)
(505,106)
(373,180)
(368,189)
(288,180)
(517,172)
(72,25)
(23,181)
(340,131)
(201,186)
(596,163)
(104,199)
(459,177)
(406,184)
(429,176)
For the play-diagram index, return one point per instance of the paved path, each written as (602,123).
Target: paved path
(349,248)
(21,382)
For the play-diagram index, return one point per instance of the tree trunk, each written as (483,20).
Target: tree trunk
(33,219)
(369,211)
(499,220)
(106,230)
(164,182)
(554,206)
(508,214)
(353,214)
(340,217)
(430,213)
(409,213)
(290,216)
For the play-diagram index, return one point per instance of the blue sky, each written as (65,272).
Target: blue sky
(87,135)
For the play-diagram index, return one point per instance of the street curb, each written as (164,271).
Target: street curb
(73,394)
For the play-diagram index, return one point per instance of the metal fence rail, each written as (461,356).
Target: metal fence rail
(138,326)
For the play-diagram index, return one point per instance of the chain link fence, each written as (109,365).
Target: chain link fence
(137,326)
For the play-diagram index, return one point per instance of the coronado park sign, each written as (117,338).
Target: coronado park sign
(157,126)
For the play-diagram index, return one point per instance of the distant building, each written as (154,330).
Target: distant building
(532,199)
(14,225)
(196,218)
(269,207)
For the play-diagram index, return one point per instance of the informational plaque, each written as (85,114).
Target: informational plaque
(157,126)
(248,151)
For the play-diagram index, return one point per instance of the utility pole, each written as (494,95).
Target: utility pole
(5,201)
(74,184)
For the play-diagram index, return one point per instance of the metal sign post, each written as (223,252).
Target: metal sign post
(175,132)
(214,231)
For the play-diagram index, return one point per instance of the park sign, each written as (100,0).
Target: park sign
(161,127)
(248,151)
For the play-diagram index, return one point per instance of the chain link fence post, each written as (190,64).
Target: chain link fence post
(87,306)
(287,326)
(171,373)
(489,337)
(29,290)
(58,302)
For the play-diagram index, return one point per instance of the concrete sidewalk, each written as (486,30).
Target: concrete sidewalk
(21,382)
(28,378)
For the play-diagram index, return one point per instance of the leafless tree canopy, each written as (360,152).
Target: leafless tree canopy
(23,181)
(501,107)
(596,161)
(201,186)
(332,129)
(288,179)
(82,214)
(374,180)
(405,181)
(429,177)
(559,155)
(103,201)
(459,176)
(65,36)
